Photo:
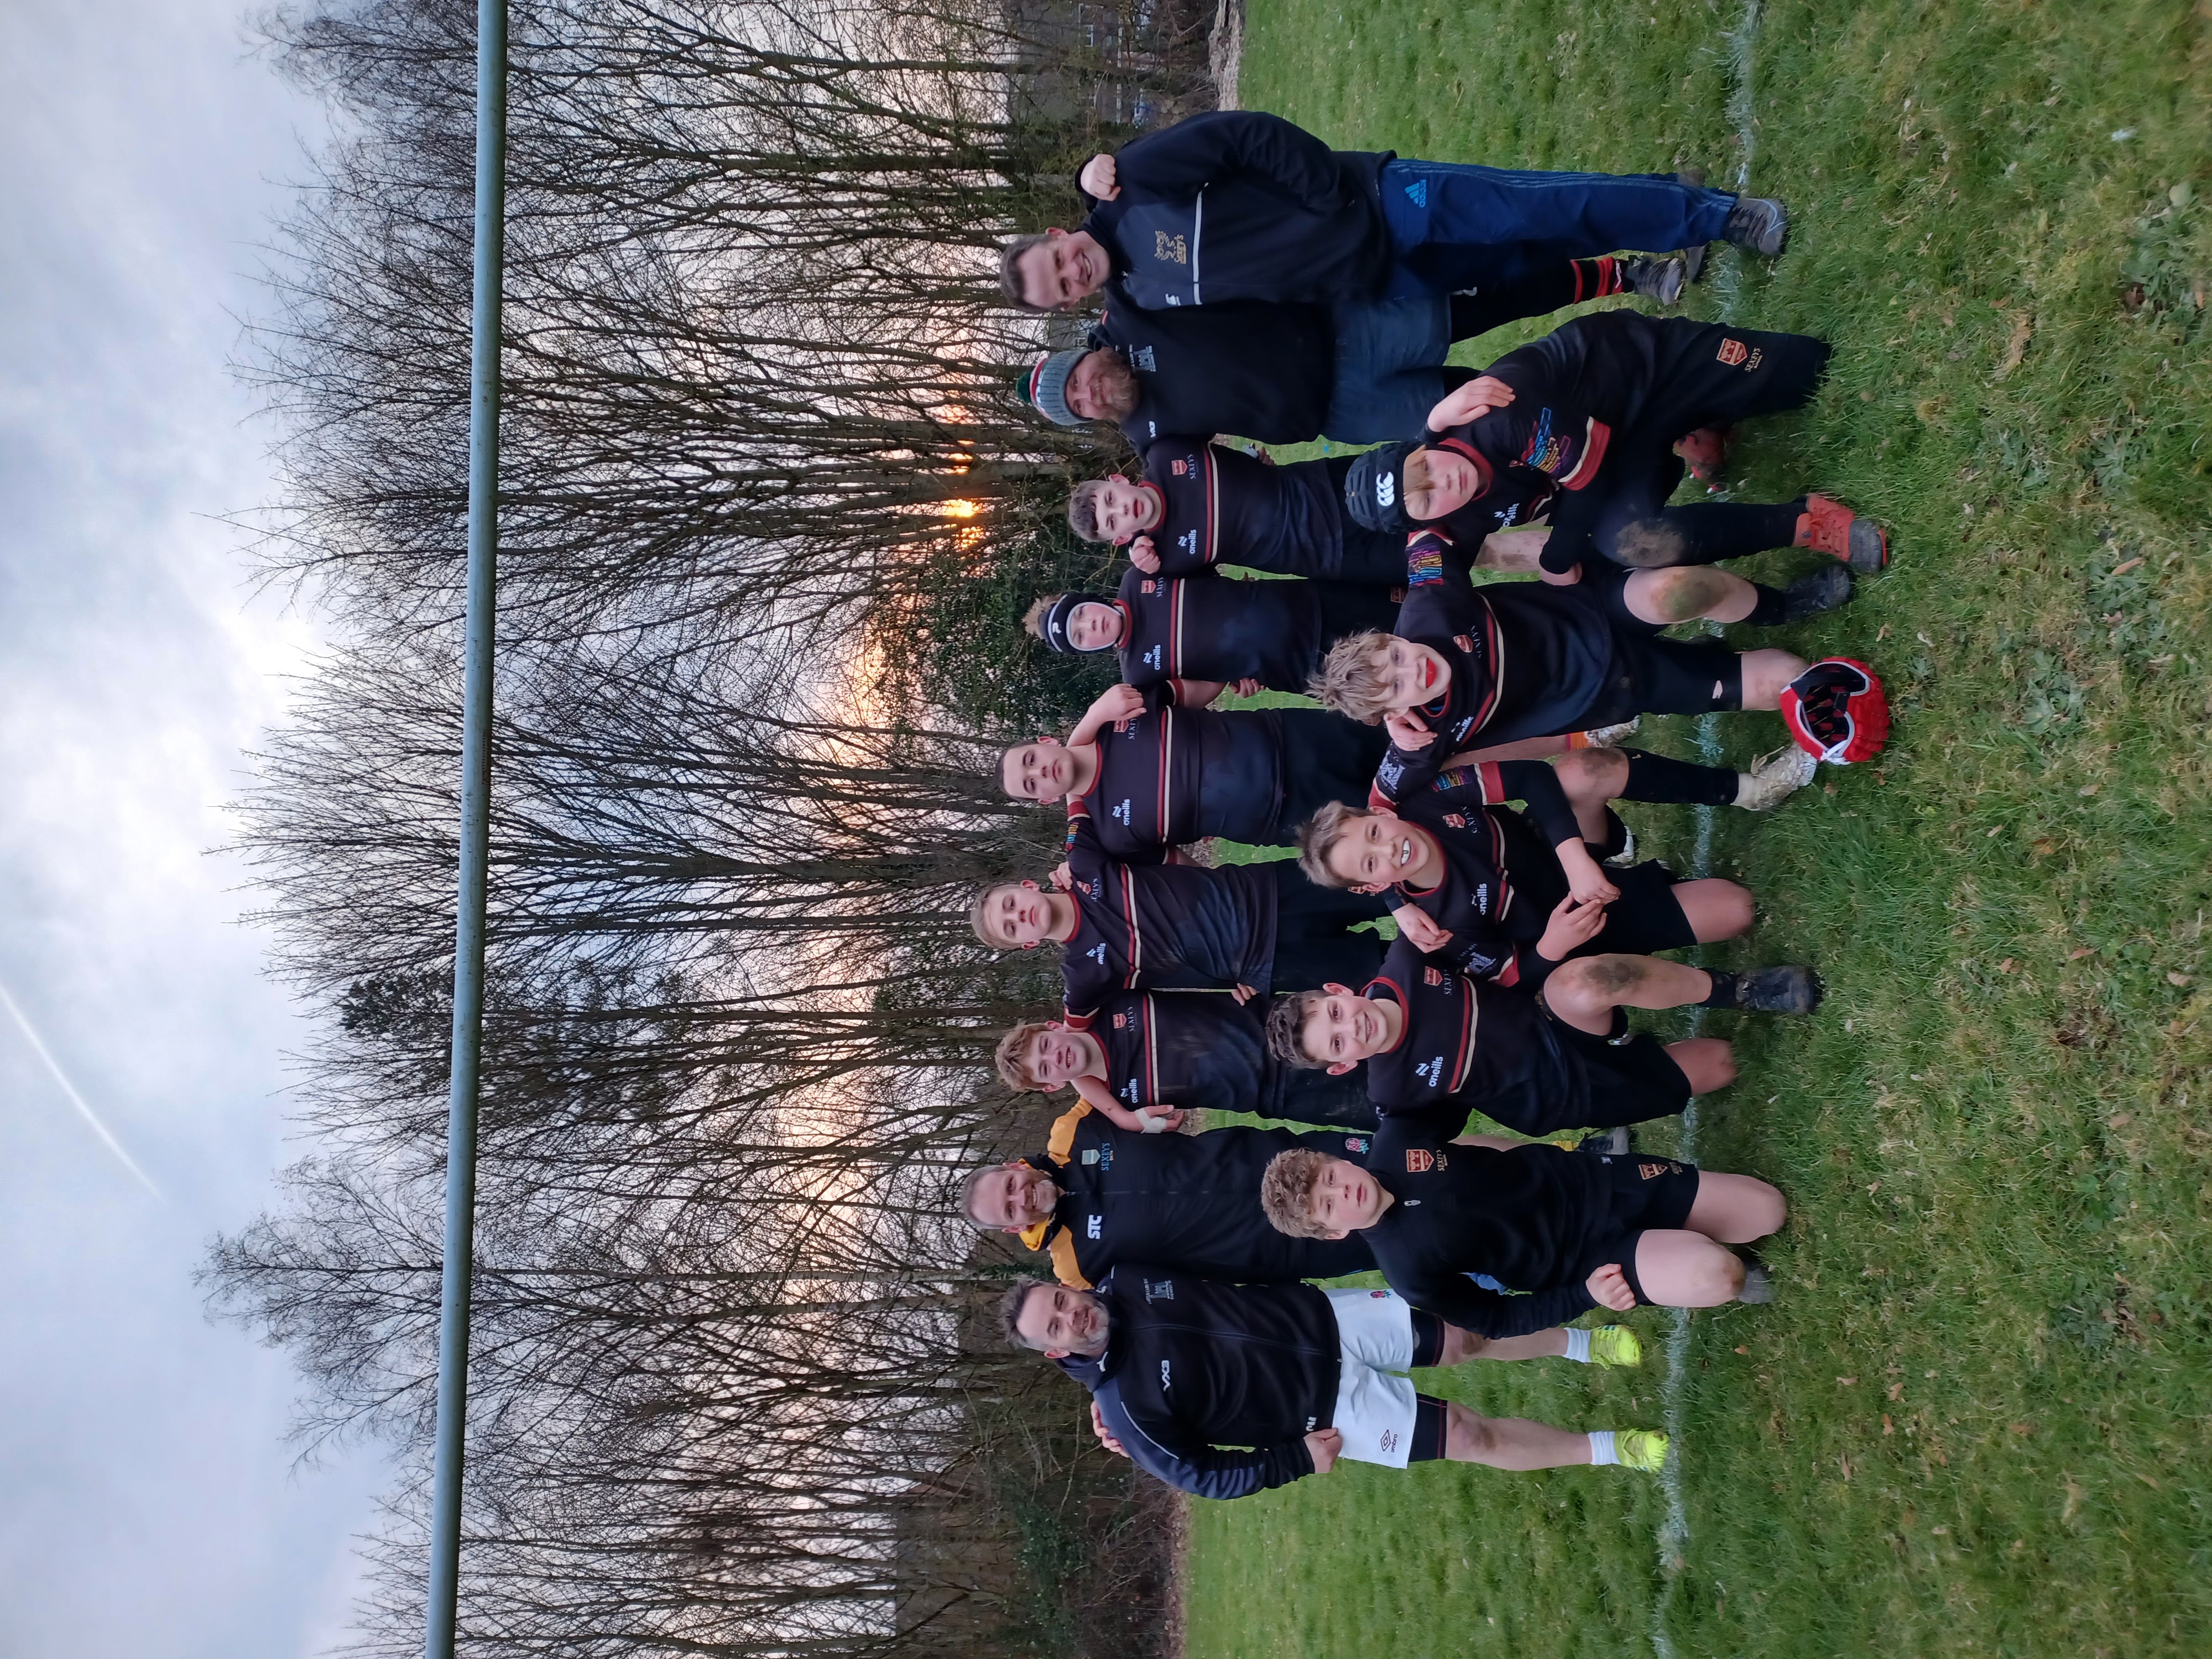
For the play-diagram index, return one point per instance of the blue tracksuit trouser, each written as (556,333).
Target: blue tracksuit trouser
(1455,225)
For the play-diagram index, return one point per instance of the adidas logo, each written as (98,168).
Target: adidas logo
(1417,192)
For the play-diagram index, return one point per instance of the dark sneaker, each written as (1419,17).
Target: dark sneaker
(1785,990)
(1759,224)
(1693,263)
(1826,525)
(1618,1143)
(1654,279)
(1808,596)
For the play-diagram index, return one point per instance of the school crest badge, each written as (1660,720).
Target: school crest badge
(1120,1022)
(1733,352)
(1181,468)
(1457,820)
(1464,641)
(1432,976)
(1148,586)
(1419,1160)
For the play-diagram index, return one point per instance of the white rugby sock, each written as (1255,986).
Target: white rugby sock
(1601,1449)
(1578,1346)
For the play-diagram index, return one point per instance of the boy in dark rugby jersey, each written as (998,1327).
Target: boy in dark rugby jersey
(1201,504)
(1152,776)
(1590,427)
(1570,1230)
(1099,1194)
(1147,1058)
(1197,636)
(1467,668)
(1466,874)
(1438,1043)
(1246,928)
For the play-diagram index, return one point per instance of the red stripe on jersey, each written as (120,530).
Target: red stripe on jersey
(1136,951)
(1147,1036)
(1210,519)
(1465,1063)
(1166,748)
(1480,716)
(1493,781)
(1596,434)
(1173,666)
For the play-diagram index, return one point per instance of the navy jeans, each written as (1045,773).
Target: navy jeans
(1454,225)
(1390,368)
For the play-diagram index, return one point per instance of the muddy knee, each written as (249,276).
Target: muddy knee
(1606,977)
(1679,594)
(1650,543)
(1596,774)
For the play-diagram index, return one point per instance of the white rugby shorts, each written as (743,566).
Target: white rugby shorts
(1376,1405)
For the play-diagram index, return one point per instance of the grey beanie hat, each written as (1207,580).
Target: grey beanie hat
(1044,388)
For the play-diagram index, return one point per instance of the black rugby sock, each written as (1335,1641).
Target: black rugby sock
(1724,992)
(1656,778)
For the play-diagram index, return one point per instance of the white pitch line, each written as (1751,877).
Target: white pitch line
(84,1110)
(1675,1529)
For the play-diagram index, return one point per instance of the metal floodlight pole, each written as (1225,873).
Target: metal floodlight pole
(475,832)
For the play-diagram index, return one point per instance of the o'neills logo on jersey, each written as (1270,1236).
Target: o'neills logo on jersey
(1431,1072)
(1153,658)
(1432,976)
(1131,1092)
(1097,953)
(1187,541)
(1482,896)
(1419,1160)
(1126,813)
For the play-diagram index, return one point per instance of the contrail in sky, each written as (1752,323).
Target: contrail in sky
(76,1099)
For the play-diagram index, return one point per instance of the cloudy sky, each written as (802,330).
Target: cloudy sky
(149,1506)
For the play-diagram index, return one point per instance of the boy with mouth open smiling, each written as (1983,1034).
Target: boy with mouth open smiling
(1523,660)
(1510,900)
(1436,1044)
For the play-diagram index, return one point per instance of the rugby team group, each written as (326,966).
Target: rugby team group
(1256,282)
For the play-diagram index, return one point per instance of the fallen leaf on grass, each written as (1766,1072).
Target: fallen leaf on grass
(2044,849)
(1994,833)
(1887,1427)
(1896,1389)
(2086,950)
(2122,569)
(2177,979)
(2087,790)
(2005,967)
(2023,331)
(1743,1350)
(1847,1381)
(1844,1464)
(2022,1428)
(2075,1494)
(2120,1120)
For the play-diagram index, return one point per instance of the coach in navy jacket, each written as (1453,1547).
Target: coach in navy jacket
(1191,1366)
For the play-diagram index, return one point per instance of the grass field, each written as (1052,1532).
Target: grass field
(1978,1420)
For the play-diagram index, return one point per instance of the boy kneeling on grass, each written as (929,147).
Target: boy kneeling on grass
(1180,1369)
(1521,659)
(1143,1059)
(1570,1230)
